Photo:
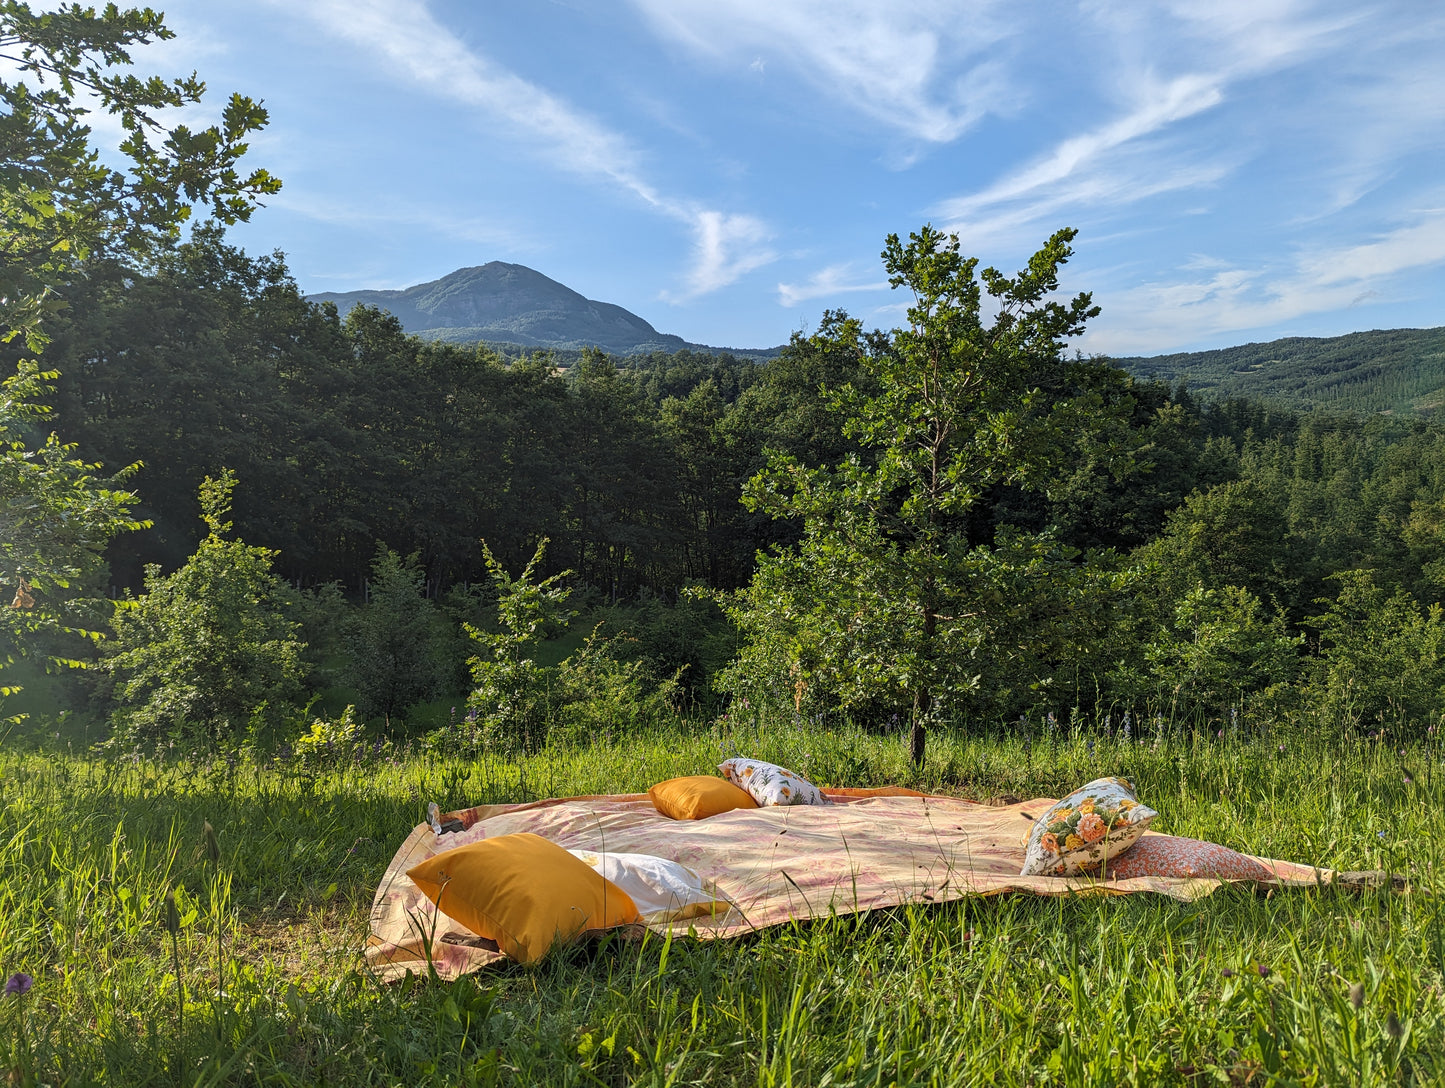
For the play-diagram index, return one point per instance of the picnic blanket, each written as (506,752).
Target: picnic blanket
(871,849)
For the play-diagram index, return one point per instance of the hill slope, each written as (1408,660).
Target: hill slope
(1400,371)
(511,304)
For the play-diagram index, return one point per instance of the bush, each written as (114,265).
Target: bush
(208,653)
(519,703)
(1219,646)
(396,642)
(1383,658)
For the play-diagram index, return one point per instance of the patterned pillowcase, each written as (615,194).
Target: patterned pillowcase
(1086,828)
(769,784)
(1167,855)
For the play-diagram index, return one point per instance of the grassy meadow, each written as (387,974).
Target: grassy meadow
(1324,987)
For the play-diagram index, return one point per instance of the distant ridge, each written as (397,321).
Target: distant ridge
(1394,371)
(513,305)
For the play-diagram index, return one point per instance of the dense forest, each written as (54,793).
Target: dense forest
(1397,371)
(1180,558)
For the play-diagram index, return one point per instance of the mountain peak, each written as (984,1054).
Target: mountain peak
(511,304)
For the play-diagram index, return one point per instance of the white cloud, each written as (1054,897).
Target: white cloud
(429,55)
(825,283)
(925,67)
(726,248)
(1162,316)
(1219,52)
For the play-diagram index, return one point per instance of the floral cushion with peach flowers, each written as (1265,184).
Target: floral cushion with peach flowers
(1088,827)
(769,784)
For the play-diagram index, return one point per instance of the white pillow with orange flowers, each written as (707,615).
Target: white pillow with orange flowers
(769,784)
(1088,827)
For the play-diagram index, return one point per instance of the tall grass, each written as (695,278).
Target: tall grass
(1236,988)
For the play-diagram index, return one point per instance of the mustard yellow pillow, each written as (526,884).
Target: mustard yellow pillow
(523,892)
(698,796)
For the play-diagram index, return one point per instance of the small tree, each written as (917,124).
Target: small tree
(883,585)
(206,650)
(511,698)
(56,516)
(395,639)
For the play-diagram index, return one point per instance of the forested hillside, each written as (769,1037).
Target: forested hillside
(1394,371)
(1168,520)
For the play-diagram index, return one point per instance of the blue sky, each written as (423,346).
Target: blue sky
(728,169)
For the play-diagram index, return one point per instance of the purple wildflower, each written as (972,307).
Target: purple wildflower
(18,984)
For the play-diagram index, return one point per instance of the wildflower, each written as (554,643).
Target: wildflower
(18,984)
(1263,971)
(1393,1028)
(1227,973)
(1219,735)
(1281,747)
(1357,994)
(1379,834)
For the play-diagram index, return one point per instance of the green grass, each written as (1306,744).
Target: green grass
(1010,990)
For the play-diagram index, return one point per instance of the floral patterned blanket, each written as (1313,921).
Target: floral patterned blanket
(871,849)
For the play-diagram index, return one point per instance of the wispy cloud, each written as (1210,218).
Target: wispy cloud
(826,283)
(1163,316)
(928,68)
(426,53)
(727,248)
(400,212)
(1135,156)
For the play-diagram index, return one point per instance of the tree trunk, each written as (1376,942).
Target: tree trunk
(921,702)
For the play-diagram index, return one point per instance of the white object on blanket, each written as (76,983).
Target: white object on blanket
(768,784)
(664,891)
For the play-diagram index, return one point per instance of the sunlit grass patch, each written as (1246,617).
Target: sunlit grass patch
(1326,987)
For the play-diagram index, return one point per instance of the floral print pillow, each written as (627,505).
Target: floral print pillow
(1085,829)
(769,784)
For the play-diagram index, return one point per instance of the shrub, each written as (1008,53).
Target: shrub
(209,652)
(1383,659)
(395,643)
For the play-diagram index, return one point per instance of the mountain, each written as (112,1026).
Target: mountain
(1395,371)
(511,304)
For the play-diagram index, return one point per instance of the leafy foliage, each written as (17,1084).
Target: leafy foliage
(885,601)
(61,205)
(396,647)
(56,517)
(512,694)
(1385,658)
(208,652)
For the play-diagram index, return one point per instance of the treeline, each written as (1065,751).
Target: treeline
(1202,556)
(346,434)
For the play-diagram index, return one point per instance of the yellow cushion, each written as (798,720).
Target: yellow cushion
(523,892)
(698,796)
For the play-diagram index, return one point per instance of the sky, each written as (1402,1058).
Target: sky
(729,169)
